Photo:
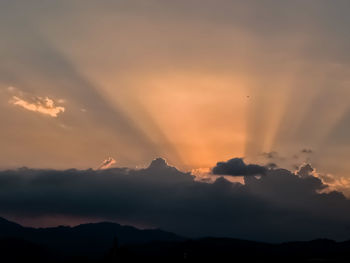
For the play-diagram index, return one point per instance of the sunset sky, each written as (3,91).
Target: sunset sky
(192,81)
(195,82)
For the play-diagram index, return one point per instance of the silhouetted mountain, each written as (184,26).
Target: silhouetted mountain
(92,239)
(233,250)
(16,250)
(111,242)
(9,228)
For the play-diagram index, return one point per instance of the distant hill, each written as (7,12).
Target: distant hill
(17,250)
(235,250)
(111,242)
(86,239)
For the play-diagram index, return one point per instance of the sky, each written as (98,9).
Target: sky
(106,84)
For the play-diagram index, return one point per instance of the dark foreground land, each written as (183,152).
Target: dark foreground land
(109,242)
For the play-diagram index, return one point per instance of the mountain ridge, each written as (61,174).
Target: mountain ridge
(112,242)
(91,238)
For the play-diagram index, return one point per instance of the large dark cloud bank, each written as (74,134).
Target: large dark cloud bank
(279,205)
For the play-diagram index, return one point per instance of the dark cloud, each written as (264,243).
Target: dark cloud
(278,206)
(271,166)
(270,155)
(305,170)
(237,167)
(308,151)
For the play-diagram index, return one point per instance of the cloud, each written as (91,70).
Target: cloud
(307,151)
(206,175)
(279,206)
(305,170)
(271,166)
(237,167)
(43,105)
(334,183)
(107,163)
(270,155)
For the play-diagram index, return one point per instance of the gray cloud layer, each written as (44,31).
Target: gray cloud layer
(279,206)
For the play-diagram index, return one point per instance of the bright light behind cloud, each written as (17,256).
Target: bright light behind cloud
(107,163)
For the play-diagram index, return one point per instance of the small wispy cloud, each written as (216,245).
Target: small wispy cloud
(43,105)
(107,163)
(307,151)
(270,155)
